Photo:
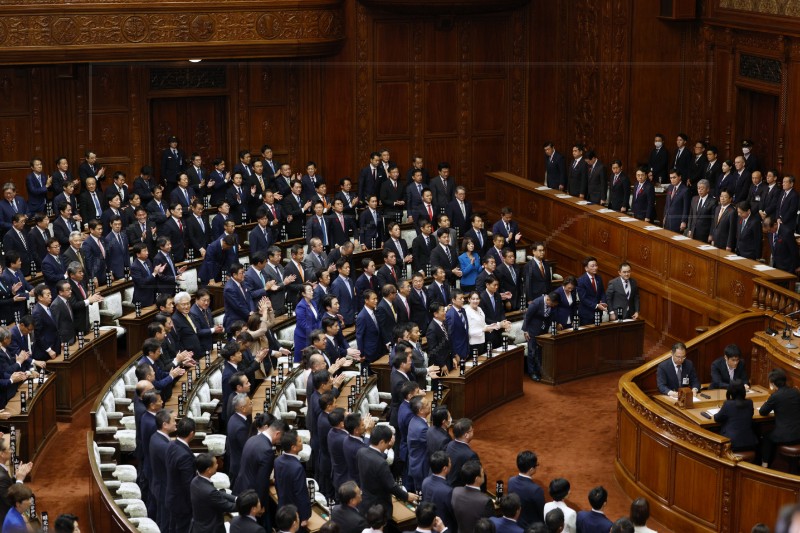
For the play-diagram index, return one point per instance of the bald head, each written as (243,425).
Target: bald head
(317,362)
(143,386)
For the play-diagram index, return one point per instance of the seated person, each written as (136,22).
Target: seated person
(736,418)
(728,368)
(677,372)
(785,401)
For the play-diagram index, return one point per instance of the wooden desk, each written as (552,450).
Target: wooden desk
(492,383)
(136,327)
(82,376)
(35,427)
(591,350)
(758,394)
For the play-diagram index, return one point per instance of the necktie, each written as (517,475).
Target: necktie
(374,320)
(594,284)
(272,209)
(47,310)
(447,251)
(80,288)
(186,196)
(480,238)
(394,184)
(422,297)
(541,268)
(721,212)
(119,240)
(408,310)
(709,166)
(146,268)
(673,191)
(302,276)
(513,274)
(730,373)
(430,212)
(161,208)
(175,152)
(22,238)
(463,210)
(678,155)
(202,226)
(374,174)
(391,268)
(14,205)
(679,373)
(278,274)
(241,289)
(96,203)
(463,315)
(169,262)
(324,232)
(341,221)
(189,320)
(180,225)
(444,330)
(627,289)
(700,204)
(638,190)
(102,249)
(616,178)
(444,294)
(261,181)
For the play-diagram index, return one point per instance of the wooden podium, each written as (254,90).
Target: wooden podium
(591,350)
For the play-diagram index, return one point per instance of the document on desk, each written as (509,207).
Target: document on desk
(734,257)
(606,210)
(762,268)
(708,247)
(563,196)
(653,228)
(681,238)
(713,411)
(628,219)
(583,202)
(543,188)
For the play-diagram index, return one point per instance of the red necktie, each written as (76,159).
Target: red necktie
(594,285)
(430,212)
(272,208)
(408,311)
(180,225)
(83,293)
(341,221)
(393,273)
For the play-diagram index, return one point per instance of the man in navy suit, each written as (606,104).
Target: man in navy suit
(95,252)
(668,371)
(595,521)
(37,184)
(158,446)
(538,274)
(440,347)
(555,168)
(538,319)
(508,228)
(15,241)
(376,480)
(209,505)
(356,427)
(318,226)
(146,428)
(254,279)
(368,178)
(238,303)
(371,224)
(144,276)
(218,181)
(591,293)
(237,430)
(63,225)
(416,435)
(368,335)
(457,325)
(460,451)
(179,466)
(643,205)
(724,224)
(439,290)
(510,507)
(748,238)
(436,490)
(530,494)
(116,245)
(260,237)
(46,344)
(727,368)
(53,268)
(172,163)
(342,288)
(174,229)
(290,476)
(336,437)
(386,315)
(676,209)
(658,160)
(214,261)
(10,206)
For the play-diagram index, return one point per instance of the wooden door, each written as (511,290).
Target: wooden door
(756,119)
(199,123)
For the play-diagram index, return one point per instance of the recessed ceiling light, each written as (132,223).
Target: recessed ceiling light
(195,60)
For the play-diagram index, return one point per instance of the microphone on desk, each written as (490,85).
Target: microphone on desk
(786,336)
(769,330)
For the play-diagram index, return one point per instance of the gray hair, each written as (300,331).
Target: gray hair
(8,186)
(75,235)
(704,182)
(239,400)
(74,267)
(181,297)
(4,334)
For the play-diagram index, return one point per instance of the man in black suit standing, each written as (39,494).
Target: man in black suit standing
(438,436)
(623,293)
(368,179)
(440,347)
(159,444)
(683,159)
(445,256)
(250,511)
(209,505)
(376,479)
(460,451)
(80,300)
(492,307)
(786,212)
(555,168)
(676,372)
(346,514)
(658,160)
(179,473)
(597,184)
(538,274)
(172,162)
(697,166)
(392,195)
(470,504)
(748,239)
(459,211)
(443,188)
(422,246)
(713,168)
(723,229)
(577,181)
(701,213)
(538,319)
(478,234)
(197,230)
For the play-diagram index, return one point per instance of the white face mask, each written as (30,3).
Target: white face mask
(659,144)
(745,150)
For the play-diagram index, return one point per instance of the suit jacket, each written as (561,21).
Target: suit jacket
(386,321)
(458,219)
(347,202)
(46,335)
(757,195)
(172,165)
(720,377)
(165,282)
(555,169)
(657,162)
(436,490)
(144,283)
(418,303)
(682,162)
(259,239)
(440,346)
(676,208)
(437,440)
(338,234)
(117,256)
(644,201)
(37,245)
(376,481)
(180,472)
(442,194)
(371,231)
(159,444)
(144,188)
(787,209)
(532,497)
(213,262)
(345,292)
(87,207)
(368,337)
(245,524)
(12,241)
(389,194)
(741,185)
(368,182)
(177,236)
(10,279)
(667,378)
(113,190)
(537,284)
(723,228)
(209,506)
(5,483)
(784,250)
(195,235)
(417,445)
(619,194)
(505,525)
(701,219)
(258,457)
(535,321)
(736,423)
(53,270)
(350,448)
(37,193)
(458,330)
(439,259)
(239,202)
(589,297)
(727,182)
(364,283)
(748,239)
(61,231)
(578,177)
(499,228)
(157,212)
(593,522)
(509,283)
(422,252)
(187,335)
(238,304)
(290,482)
(597,184)
(697,171)
(786,403)
(291,207)
(616,298)
(348,519)
(482,243)
(494,311)
(336,438)
(420,213)
(294,289)
(469,506)
(80,311)
(7,211)
(62,314)
(237,430)
(769,200)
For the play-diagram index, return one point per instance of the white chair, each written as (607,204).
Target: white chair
(219,319)
(125,473)
(517,336)
(215,444)
(202,419)
(286,336)
(133,507)
(126,437)
(221,481)
(189,283)
(112,415)
(127,296)
(204,396)
(129,377)
(120,394)
(282,410)
(215,383)
(128,490)
(145,525)
(111,308)
(291,398)
(374,400)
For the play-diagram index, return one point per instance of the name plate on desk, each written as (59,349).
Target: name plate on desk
(685,398)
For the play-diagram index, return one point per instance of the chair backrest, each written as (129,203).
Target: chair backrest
(290,391)
(127,295)
(118,388)
(516,333)
(101,418)
(219,319)
(108,402)
(130,376)
(189,283)
(372,395)
(94,313)
(113,303)
(194,408)
(287,333)
(215,379)
(363,408)
(203,393)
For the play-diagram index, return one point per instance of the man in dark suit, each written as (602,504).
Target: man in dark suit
(658,161)
(238,303)
(260,237)
(676,208)
(771,196)
(511,508)
(493,309)
(214,260)
(209,505)
(218,181)
(785,402)
(623,293)
(159,444)
(507,228)
(38,237)
(250,511)
(376,480)
(240,197)
(356,427)
(701,213)
(619,195)
(62,311)
(555,168)
(117,188)
(591,293)
(757,195)
(174,230)
(372,231)
(392,195)
(37,184)
(595,521)
(577,176)
(346,514)
(237,430)
(786,212)
(597,185)
(290,476)
(144,276)
(440,346)
(669,370)
(63,225)
(116,247)
(14,279)
(342,226)
(742,181)
(170,274)
(80,300)
(446,256)
(538,319)
(723,226)
(437,491)
(173,162)
(344,291)
(538,274)
(46,344)
(443,188)
(459,211)
(728,368)
(180,470)
(510,281)
(457,325)
(683,159)
(422,247)
(295,209)
(470,504)
(157,209)
(478,234)
(368,178)
(418,302)
(10,206)
(385,313)
(198,231)
(748,238)
(184,326)
(530,494)
(713,167)
(368,335)
(697,166)
(783,247)
(53,268)
(643,205)
(439,290)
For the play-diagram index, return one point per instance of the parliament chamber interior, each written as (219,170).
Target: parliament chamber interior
(222,221)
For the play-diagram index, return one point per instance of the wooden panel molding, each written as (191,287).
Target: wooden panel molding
(443,7)
(59,31)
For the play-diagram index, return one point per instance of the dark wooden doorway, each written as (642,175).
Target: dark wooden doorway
(756,119)
(200,124)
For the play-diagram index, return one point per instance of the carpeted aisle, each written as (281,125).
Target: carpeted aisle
(572,429)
